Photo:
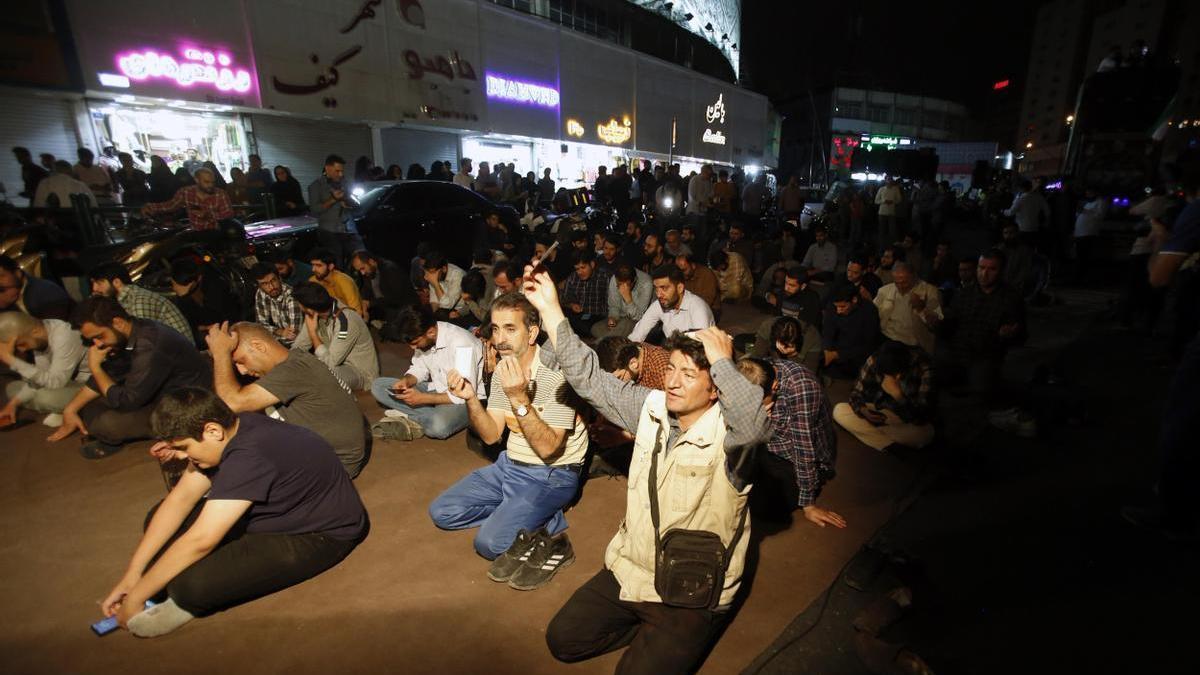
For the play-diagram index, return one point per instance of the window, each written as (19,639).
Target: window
(851,110)
(906,116)
(879,113)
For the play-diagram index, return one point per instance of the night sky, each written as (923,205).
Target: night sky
(951,50)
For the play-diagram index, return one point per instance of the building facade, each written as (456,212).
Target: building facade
(398,82)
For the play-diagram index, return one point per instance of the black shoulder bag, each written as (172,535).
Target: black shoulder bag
(690,565)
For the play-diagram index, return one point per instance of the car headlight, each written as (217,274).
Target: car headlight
(357,192)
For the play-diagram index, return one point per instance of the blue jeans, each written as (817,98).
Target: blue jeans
(504,498)
(437,421)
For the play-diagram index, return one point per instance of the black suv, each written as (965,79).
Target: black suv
(393,217)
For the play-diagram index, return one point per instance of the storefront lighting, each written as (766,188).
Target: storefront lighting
(113,80)
(574,128)
(194,66)
(858,176)
(126,98)
(516,91)
(614,132)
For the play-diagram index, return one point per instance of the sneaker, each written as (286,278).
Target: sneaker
(1021,424)
(506,564)
(1154,520)
(397,429)
(96,449)
(550,554)
(53,420)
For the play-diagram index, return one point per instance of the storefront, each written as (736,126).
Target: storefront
(174,132)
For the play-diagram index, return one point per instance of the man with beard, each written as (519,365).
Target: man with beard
(26,293)
(517,501)
(331,203)
(206,205)
(111,280)
(133,362)
(274,307)
(677,309)
(654,255)
(290,385)
(337,283)
(383,286)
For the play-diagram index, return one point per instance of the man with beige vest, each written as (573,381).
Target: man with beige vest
(694,442)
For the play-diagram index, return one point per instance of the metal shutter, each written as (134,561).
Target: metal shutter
(38,123)
(302,145)
(415,146)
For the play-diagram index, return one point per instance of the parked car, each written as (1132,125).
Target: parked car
(393,216)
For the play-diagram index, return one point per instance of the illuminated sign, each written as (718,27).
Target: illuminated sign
(193,67)
(714,137)
(574,128)
(528,93)
(716,111)
(870,142)
(615,132)
(1002,84)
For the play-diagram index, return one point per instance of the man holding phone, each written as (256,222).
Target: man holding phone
(422,394)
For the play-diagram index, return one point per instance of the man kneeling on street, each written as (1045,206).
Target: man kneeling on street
(689,478)
(262,506)
(421,395)
(517,501)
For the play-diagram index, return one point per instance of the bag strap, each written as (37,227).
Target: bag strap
(654,519)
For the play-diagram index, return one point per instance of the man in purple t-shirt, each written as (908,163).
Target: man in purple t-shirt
(279,510)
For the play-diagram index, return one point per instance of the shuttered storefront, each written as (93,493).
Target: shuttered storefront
(416,146)
(39,123)
(302,145)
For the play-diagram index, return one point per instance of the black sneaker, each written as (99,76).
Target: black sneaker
(97,449)
(550,554)
(506,564)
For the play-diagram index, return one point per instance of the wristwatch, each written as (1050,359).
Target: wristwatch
(522,410)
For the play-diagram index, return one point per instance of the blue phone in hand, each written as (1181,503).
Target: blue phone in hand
(109,624)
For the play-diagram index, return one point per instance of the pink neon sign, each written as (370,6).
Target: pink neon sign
(195,66)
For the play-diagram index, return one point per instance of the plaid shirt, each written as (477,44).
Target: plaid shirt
(802,428)
(917,385)
(653,368)
(143,304)
(276,313)
(592,294)
(204,210)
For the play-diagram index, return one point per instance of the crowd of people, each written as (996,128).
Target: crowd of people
(564,353)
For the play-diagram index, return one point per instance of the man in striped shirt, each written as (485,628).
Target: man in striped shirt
(517,501)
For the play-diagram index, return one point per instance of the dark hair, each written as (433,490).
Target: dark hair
(9,265)
(796,272)
(897,252)
(544,238)
(625,273)
(413,321)
(970,259)
(474,284)
(579,235)
(182,413)
(98,310)
(510,269)
(612,238)
(893,357)
(668,271)
(758,371)
(994,254)
(585,256)
(723,174)
(84,152)
(718,259)
(691,348)
(787,329)
(514,300)
(844,293)
(312,295)
(262,270)
(434,260)
(323,254)
(334,159)
(107,272)
(614,351)
(184,271)
(363,255)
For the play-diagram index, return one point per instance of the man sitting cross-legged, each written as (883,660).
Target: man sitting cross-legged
(517,501)
(338,336)
(53,378)
(422,393)
(262,506)
(893,399)
(292,385)
(693,447)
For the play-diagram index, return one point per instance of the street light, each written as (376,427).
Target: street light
(1029,145)
(1070,118)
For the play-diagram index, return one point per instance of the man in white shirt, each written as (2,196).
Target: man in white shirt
(463,177)
(1087,230)
(61,184)
(422,393)
(888,199)
(96,177)
(678,310)
(908,308)
(445,286)
(821,257)
(700,192)
(1029,209)
(58,370)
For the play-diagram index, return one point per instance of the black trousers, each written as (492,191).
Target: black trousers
(245,566)
(661,639)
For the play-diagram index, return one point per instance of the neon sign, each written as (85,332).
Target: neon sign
(889,142)
(1002,84)
(716,111)
(714,137)
(196,66)
(526,93)
(614,132)
(574,128)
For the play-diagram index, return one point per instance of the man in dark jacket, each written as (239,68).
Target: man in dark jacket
(133,363)
(383,285)
(38,298)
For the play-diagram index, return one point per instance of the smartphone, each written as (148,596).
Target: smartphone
(109,623)
(463,362)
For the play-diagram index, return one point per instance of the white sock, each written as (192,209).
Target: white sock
(159,620)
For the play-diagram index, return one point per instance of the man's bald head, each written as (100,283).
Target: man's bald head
(257,352)
(248,330)
(15,325)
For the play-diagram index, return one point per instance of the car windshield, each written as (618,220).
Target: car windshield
(372,197)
